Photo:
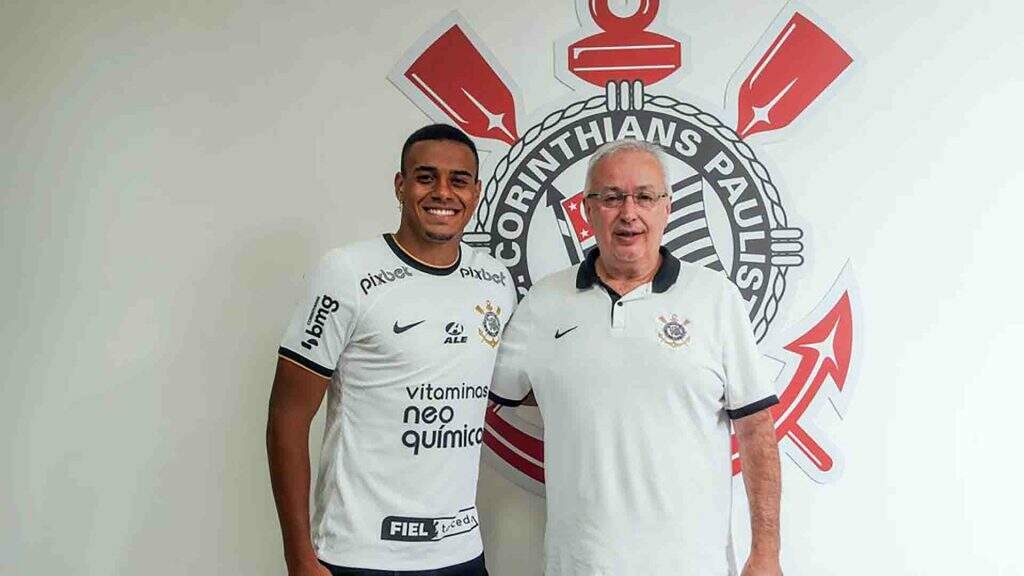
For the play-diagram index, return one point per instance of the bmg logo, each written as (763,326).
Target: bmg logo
(322,308)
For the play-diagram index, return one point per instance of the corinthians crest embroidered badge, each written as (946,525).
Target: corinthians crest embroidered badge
(672,331)
(490,323)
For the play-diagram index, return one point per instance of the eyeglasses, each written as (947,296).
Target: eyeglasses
(615,198)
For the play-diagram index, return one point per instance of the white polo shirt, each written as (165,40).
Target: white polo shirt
(409,350)
(636,394)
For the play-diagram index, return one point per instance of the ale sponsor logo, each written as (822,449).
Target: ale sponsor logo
(454,332)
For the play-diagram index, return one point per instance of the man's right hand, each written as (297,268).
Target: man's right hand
(309,569)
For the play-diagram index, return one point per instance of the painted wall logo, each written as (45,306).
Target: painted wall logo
(728,213)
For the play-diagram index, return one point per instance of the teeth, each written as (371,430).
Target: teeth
(441,211)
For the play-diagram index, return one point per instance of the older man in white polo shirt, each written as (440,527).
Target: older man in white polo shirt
(639,363)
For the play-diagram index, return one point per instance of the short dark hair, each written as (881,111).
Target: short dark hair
(439,132)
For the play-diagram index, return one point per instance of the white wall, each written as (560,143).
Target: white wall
(168,175)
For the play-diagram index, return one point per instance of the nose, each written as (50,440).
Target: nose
(629,208)
(443,189)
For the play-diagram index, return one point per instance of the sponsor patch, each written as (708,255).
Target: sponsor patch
(414,529)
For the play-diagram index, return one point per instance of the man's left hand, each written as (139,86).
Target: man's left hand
(762,566)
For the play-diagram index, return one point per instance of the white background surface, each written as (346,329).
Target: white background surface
(168,174)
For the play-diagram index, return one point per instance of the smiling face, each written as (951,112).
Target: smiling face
(628,236)
(438,190)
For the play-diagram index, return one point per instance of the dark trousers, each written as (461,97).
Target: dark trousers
(474,567)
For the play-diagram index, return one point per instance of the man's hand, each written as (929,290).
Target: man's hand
(314,569)
(762,565)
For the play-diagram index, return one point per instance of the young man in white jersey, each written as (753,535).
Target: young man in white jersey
(401,332)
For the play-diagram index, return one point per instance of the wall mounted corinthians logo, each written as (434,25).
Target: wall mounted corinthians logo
(728,212)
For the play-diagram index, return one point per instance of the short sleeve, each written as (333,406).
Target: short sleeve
(323,320)
(511,383)
(747,387)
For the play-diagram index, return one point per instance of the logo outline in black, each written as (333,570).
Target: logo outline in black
(559,334)
(399,329)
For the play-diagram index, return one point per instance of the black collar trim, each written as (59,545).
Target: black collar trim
(405,257)
(664,278)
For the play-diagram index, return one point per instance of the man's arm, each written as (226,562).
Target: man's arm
(294,400)
(759,453)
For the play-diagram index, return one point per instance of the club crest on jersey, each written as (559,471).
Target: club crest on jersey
(728,212)
(490,323)
(673,332)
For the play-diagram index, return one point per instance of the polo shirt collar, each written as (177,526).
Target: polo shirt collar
(664,278)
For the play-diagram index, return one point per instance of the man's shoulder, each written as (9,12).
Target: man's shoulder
(357,249)
(556,284)
(480,258)
(358,252)
(703,280)
(352,260)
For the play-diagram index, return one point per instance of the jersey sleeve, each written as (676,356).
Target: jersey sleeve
(323,320)
(747,388)
(511,382)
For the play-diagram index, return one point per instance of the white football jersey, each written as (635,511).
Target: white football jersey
(637,392)
(409,349)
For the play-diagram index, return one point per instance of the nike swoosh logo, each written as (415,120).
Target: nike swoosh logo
(560,334)
(400,329)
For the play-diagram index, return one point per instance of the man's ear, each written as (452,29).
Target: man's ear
(586,207)
(399,181)
(476,192)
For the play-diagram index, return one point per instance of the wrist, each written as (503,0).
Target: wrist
(765,552)
(297,561)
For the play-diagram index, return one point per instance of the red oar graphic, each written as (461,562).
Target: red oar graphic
(825,352)
(462,85)
(798,65)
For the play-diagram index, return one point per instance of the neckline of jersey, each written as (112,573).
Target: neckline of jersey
(664,278)
(408,259)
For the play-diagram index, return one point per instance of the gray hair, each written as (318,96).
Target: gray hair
(627,145)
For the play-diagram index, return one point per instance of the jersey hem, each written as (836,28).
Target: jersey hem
(753,407)
(353,561)
(504,401)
